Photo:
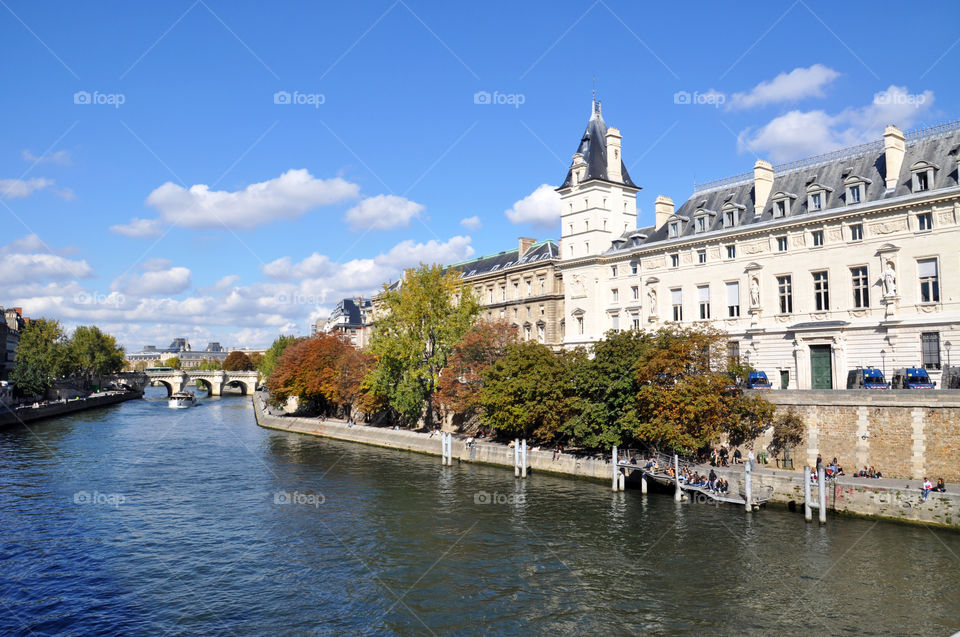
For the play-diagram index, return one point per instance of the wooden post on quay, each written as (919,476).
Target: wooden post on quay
(747,486)
(678,494)
(822,504)
(643,484)
(615,460)
(807,513)
(523,459)
(516,458)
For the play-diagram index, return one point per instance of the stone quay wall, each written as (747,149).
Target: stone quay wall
(905,434)
(10,417)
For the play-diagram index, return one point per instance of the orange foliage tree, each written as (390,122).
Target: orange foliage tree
(459,388)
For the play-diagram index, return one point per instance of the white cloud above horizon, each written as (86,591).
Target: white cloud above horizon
(471,223)
(541,208)
(61,157)
(139,228)
(154,281)
(789,86)
(383,212)
(22,188)
(799,134)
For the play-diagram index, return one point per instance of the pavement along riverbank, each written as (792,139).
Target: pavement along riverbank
(23,415)
(888,499)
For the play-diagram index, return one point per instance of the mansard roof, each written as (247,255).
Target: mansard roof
(939,145)
(593,147)
(543,251)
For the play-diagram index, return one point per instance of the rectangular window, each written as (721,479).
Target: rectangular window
(503,293)
(781,244)
(861,287)
(821,291)
(676,297)
(674,230)
(854,194)
(785,291)
(922,181)
(731,252)
(490,295)
(635,322)
(925,221)
(733,299)
(529,287)
(856,232)
(817,238)
(929,280)
(930,342)
(701,224)
(614,295)
(816,202)
(615,322)
(634,267)
(701,256)
(674,260)
(728,219)
(781,208)
(516,290)
(703,298)
(635,292)
(543,286)
(733,352)
(579,325)
(613,271)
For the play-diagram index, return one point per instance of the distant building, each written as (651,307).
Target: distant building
(350,318)
(180,348)
(11,323)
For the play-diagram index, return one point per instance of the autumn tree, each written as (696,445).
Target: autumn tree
(528,391)
(272,355)
(324,372)
(422,320)
(255,358)
(93,353)
(173,361)
(42,355)
(237,361)
(458,391)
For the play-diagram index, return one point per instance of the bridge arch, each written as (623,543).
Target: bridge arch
(205,385)
(236,382)
(157,382)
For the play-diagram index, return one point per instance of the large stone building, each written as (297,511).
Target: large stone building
(180,348)
(352,318)
(11,323)
(522,287)
(813,268)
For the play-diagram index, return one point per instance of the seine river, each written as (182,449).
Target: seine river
(138,519)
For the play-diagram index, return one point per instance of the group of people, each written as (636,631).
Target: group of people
(722,457)
(928,487)
(712,481)
(868,473)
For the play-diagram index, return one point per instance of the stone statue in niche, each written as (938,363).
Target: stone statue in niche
(889,280)
(754,292)
(652,298)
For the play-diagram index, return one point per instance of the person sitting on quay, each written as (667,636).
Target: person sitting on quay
(926,488)
(712,481)
(941,487)
(723,456)
(737,456)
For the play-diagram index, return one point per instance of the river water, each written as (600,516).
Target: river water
(138,519)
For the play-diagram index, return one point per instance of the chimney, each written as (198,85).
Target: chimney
(894,149)
(613,155)
(762,184)
(525,243)
(663,208)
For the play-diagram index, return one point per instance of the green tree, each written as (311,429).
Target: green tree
(272,355)
(208,364)
(93,353)
(422,321)
(528,392)
(237,361)
(41,356)
(173,362)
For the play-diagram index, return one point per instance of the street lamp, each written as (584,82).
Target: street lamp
(883,357)
(948,345)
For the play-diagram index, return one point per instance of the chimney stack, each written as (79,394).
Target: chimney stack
(613,155)
(762,184)
(663,209)
(894,149)
(525,243)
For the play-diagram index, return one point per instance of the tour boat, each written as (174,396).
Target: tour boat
(181,400)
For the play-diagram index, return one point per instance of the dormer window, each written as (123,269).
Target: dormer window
(816,201)
(781,204)
(673,229)
(731,214)
(817,197)
(701,223)
(728,218)
(856,189)
(922,175)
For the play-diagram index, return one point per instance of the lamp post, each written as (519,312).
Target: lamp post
(948,345)
(883,357)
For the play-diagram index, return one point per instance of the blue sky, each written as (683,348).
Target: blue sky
(151,183)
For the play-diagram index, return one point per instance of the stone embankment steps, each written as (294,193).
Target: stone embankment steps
(884,498)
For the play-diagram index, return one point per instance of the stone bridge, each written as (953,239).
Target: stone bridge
(175,380)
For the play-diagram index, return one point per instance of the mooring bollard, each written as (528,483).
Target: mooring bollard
(807,514)
(747,468)
(516,458)
(523,459)
(643,484)
(622,481)
(822,485)
(678,494)
(615,460)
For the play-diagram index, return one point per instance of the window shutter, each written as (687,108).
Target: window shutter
(733,293)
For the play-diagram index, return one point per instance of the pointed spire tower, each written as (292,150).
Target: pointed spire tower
(598,197)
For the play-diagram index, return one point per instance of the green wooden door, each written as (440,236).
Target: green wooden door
(821,370)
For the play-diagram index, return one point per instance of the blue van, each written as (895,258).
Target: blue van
(758,380)
(912,378)
(866,378)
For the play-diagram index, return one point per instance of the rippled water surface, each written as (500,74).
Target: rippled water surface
(138,519)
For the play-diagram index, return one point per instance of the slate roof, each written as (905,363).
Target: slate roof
(352,310)
(593,147)
(543,251)
(939,145)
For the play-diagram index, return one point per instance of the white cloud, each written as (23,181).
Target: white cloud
(153,265)
(804,133)
(223,284)
(540,208)
(786,87)
(29,261)
(383,212)
(471,223)
(139,228)
(22,188)
(61,157)
(288,196)
(314,266)
(408,254)
(153,282)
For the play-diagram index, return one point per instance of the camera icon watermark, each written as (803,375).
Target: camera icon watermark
(99,499)
(896,97)
(301,299)
(485,497)
(298,98)
(500,99)
(710,98)
(97,298)
(299,498)
(84,98)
